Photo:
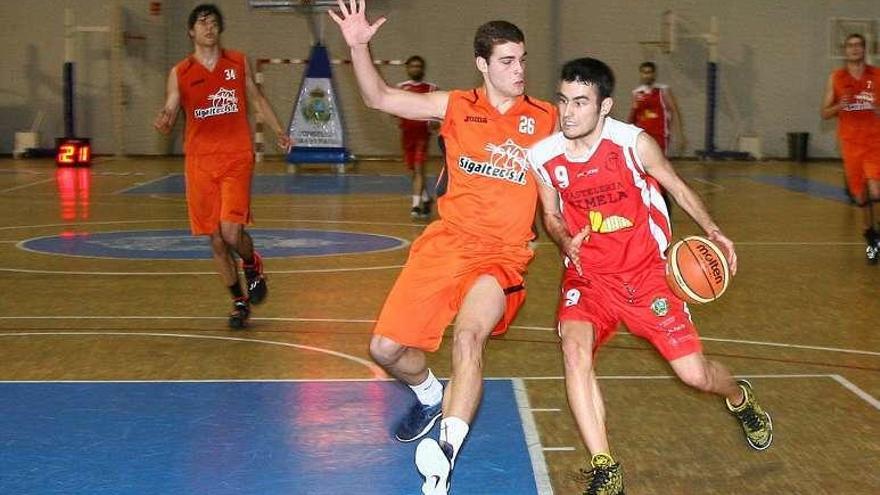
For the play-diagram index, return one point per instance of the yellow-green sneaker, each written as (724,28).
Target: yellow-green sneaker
(755,421)
(606,477)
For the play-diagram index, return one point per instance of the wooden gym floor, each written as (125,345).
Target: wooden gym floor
(800,318)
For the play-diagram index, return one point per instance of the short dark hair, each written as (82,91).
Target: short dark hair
(415,58)
(495,33)
(649,64)
(591,72)
(205,9)
(856,35)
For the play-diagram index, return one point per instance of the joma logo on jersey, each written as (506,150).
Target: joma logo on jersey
(476,118)
(222,102)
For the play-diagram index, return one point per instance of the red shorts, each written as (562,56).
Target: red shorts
(643,301)
(442,267)
(218,188)
(661,138)
(861,161)
(415,147)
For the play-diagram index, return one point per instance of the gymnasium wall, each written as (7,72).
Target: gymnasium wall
(774,61)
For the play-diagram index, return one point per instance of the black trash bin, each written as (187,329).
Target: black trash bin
(798,142)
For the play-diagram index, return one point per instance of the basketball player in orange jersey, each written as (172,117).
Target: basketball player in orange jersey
(602,207)
(853,96)
(212,85)
(414,137)
(471,261)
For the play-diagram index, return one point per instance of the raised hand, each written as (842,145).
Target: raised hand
(353,23)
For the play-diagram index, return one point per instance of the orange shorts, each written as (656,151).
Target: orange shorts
(218,188)
(861,161)
(442,267)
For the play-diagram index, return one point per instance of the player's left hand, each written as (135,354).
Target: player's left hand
(726,246)
(283,141)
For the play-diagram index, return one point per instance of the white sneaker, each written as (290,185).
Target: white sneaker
(434,462)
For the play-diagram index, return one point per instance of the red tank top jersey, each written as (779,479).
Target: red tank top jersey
(416,87)
(215,103)
(486,188)
(608,189)
(857,120)
(650,112)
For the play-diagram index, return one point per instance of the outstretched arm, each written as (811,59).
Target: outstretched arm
(658,167)
(168,114)
(376,93)
(264,109)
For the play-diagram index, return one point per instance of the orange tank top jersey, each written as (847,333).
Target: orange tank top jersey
(486,188)
(215,103)
(857,119)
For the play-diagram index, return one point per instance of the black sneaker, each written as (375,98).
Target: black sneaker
(425,211)
(256,280)
(434,462)
(756,423)
(415,212)
(418,421)
(605,477)
(241,311)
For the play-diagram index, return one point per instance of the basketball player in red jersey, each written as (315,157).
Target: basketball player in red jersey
(853,96)
(213,85)
(602,207)
(414,136)
(470,262)
(654,108)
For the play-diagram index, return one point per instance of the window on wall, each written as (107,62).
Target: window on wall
(840,28)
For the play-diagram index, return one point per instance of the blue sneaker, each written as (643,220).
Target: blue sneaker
(434,462)
(418,421)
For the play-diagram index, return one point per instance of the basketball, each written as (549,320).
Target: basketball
(697,270)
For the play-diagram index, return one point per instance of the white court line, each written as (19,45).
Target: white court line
(29,184)
(546,409)
(738,341)
(344,320)
(125,189)
(166,274)
(852,387)
(376,371)
(717,187)
(533,439)
(558,449)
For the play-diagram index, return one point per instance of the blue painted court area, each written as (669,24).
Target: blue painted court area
(802,185)
(240,438)
(180,244)
(298,184)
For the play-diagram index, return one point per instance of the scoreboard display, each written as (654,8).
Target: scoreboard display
(73,152)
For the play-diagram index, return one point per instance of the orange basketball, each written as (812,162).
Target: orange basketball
(697,270)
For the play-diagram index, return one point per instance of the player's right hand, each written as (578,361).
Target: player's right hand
(573,248)
(164,121)
(353,23)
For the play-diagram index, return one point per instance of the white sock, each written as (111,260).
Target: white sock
(453,431)
(416,200)
(430,391)
(425,196)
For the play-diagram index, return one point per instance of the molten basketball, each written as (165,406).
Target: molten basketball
(696,270)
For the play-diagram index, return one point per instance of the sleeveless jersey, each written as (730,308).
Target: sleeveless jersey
(486,189)
(416,126)
(650,112)
(215,104)
(857,120)
(608,189)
